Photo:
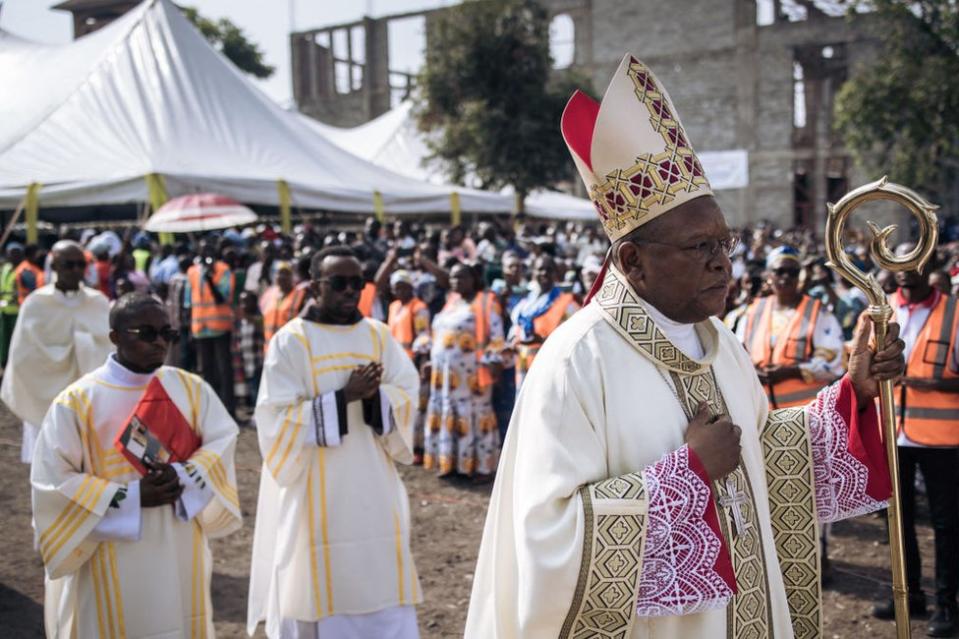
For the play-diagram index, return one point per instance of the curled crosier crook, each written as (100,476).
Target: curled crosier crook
(839,260)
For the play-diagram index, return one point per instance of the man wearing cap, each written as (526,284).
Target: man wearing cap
(62,333)
(649,490)
(794,341)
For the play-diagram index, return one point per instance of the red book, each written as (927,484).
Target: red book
(156,431)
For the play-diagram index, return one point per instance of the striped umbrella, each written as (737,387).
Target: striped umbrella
(198,213)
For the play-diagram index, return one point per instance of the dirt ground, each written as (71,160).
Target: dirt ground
(447,524)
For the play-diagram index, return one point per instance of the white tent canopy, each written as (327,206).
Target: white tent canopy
(394,142)
(148,95)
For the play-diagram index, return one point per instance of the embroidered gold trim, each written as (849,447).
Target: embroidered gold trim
(749,614)
(789,475)
(604,601)
(629,318)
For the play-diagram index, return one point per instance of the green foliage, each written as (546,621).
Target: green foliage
(489,94)
(900,115)
(230,40)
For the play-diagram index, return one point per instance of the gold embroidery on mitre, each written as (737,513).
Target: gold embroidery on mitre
(625,200)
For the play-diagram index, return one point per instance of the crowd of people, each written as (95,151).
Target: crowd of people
(469,309)
(469,305)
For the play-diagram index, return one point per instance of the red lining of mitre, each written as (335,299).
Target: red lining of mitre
(578,123)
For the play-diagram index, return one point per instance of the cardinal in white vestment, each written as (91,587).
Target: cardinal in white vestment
(60,335)
(645,488)
(127,555)
(335,412)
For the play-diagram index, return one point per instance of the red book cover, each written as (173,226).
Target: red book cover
(156,431)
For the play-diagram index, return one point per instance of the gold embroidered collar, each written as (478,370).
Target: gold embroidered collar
(625,312)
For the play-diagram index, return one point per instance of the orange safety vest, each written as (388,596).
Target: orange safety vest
(23,291)
(367,296)
(544,325)
(483,305)
(930,417)
(281,310)
(205,313)
(792,348)
(402,319)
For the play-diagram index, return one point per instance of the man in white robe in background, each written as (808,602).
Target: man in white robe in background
(125,555)
(60,335)
(331,551)
(645,489)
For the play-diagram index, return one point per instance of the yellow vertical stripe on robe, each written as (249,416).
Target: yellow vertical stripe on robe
(98,594)
(198,586)
(81,490)
(292,439)
(215,473)
(274,449)
(115,580)
(399,557)
(192,398)
(195,586)
(72,517)
(312,528)
(101,562)
(80,517)
(324,528)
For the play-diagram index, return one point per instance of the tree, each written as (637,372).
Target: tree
(489,95)
(900,115)
(230,40)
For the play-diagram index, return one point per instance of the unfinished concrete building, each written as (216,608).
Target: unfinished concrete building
(753,75)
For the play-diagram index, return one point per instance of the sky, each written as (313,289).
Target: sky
(266,22)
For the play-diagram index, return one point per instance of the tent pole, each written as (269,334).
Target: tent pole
(13,221)
(379,209)
(32,211)
(456,212)
(158,196)
(286,214)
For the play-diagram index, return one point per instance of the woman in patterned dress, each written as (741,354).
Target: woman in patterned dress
(461,434)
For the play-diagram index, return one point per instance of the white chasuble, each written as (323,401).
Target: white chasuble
(58,338)
(603,523)
(108,577)
(332,541)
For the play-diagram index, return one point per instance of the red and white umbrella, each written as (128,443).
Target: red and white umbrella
(198,213)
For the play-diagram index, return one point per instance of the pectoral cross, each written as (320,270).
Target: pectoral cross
(735,500)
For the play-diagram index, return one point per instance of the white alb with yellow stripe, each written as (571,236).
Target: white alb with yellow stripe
(155,586)
(332,527)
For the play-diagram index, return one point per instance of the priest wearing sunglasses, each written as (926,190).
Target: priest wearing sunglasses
(132,475)
(60,335)
(335,412)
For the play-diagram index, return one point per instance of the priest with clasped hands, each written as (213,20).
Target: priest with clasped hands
(645,487)
(124,536)
(331,550)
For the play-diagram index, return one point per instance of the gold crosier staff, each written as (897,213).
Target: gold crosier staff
(881,312)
